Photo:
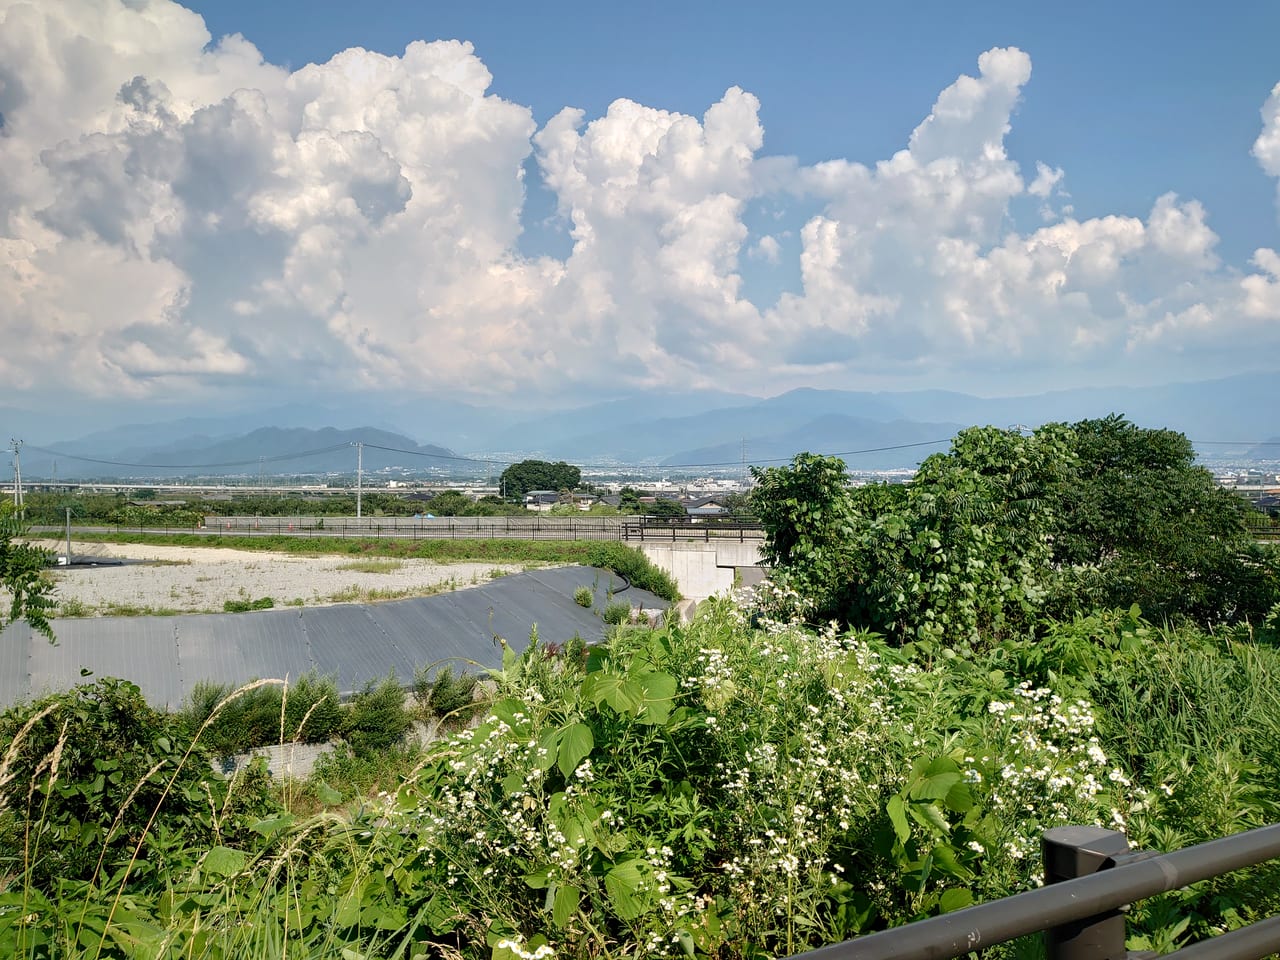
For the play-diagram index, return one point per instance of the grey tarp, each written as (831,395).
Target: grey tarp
(354,643)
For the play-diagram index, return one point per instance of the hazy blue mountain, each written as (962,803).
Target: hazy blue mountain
(857,439)
(688,426)
(605,429)
(269,450)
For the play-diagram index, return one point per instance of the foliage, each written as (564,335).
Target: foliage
(665,507)
(584,597)
(632,564)
(306,711)
(245,606)
(22,576)
(87,776)
(615,613)
(1139,522)
(519,478)
(1005,529)
(443,695)
(714,790)
(959,554)
(376,718)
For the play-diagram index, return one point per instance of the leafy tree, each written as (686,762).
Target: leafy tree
(22,575)
(629,500)
(808,518)
(519,478)
(664,507)
(1139,522)
(1004,529)
(960,553)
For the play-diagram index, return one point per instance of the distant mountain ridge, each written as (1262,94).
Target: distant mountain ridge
(689,427)
(269,450)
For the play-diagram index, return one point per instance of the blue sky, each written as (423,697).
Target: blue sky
(995,197)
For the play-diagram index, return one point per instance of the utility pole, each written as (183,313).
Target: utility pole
(744,462)
(17,476)
(359,475)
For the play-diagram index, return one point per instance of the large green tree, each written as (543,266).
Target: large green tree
(519,478)
(1139,522)
(1006,528)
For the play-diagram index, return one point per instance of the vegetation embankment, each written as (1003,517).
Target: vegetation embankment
(618,557)
(939,673)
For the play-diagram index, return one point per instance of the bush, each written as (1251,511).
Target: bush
(308,711)
(616,613)
(95,773)
(444,696)
(583,597)
(377,718)
(631,563)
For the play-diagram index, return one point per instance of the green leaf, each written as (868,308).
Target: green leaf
(565,904)
(224,862)
(548,746)
(621,884)
(898,817)
(954,899)
(574,747)
(273,825)
(659,696)
(929,816)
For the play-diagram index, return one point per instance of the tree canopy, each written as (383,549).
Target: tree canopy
(519,478)
(1005,529)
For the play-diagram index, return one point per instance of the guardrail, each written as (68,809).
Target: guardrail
(1090,873)
(645,529)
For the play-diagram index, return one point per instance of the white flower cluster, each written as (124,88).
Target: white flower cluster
(1045,767)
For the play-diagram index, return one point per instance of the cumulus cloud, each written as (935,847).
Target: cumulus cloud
(179,215)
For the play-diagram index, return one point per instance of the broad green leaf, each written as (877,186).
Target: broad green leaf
(575,745)
(548,747)
(224,862)
(621,884)
(954,899)
(928,815)
(565,904)
(273,825)
(898,817)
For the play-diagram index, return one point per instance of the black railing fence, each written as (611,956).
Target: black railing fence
(1090,874)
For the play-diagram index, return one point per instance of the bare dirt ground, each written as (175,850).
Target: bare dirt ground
(203,579)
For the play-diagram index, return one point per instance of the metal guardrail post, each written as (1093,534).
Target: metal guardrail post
(1071,852)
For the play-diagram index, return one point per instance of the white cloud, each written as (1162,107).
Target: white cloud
(766,248)
(180,215)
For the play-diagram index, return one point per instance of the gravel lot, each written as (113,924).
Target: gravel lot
(202,579)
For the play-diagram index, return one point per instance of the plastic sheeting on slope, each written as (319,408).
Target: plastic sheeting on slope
(354,643)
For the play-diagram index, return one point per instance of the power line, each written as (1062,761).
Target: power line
(301,455)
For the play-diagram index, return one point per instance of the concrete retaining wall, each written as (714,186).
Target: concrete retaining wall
(703,569)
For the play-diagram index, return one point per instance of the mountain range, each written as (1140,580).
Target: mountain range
(1228,418)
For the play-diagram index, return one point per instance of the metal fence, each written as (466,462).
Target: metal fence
(422,528)
(645,529)
(1090,874)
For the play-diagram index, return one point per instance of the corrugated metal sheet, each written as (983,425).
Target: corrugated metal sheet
(354,643)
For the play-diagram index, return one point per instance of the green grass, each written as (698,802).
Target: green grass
(372,566)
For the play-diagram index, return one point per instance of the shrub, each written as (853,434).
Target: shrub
(616,613)
(583,597)
(444,696)
(95,773)
(308,711)
(631,563)
(377,718)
